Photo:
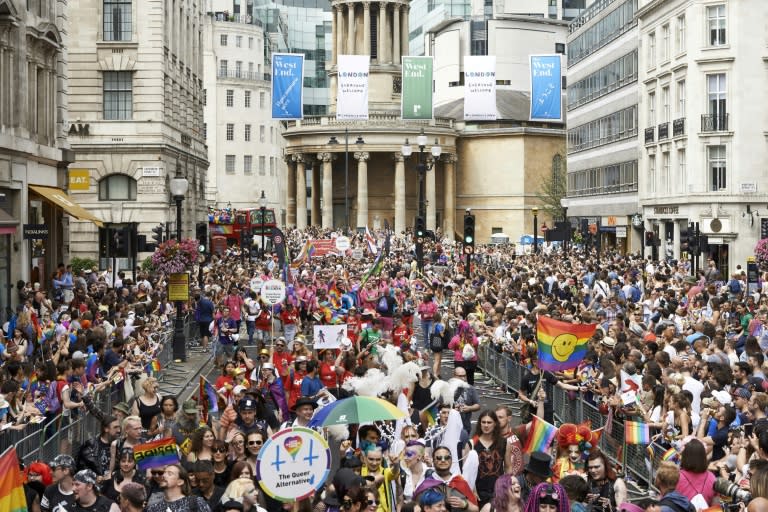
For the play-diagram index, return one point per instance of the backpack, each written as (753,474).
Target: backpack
(669,503)
(636,294)
(52,398)
(382,306)
(734,286)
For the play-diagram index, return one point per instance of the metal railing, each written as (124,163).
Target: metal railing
(714,122)
(663,130)
(568,407)
(650,135)
(678,127)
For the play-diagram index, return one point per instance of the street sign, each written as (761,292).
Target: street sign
(178,287)
(621,231)
(35,231)
(273,292)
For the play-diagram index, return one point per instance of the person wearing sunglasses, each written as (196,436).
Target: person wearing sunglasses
(206,483)
(460,495)
(221,466)
(547,497)
(356,499)
(253,443)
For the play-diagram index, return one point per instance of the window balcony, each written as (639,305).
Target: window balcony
(714,122)
(678,127)
(649,135)
(244,75)
(663,131)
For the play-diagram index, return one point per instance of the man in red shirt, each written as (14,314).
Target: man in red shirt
(282,359)
(234,301)
(353,325)
(289,316)
(401,332)
(293,382)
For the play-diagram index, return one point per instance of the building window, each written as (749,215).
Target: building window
(271,134)
(247,99)
(651,174)
(262,166)
(651,108)
(117,187)
(651,50)
(665,172)
(248,164)
(118,95)
(262,99)
(117,20)
(271,166)
(717,167)
(665,43)
(602,32)
(557,164)
(230,97)
(716,94)
(680,34)
(247,133)
(620,125)
(205,131)
(238,69)
(620,72)
(230,131)
(229,164)
(262,132)
(250,70)
(665,104)
(205,97)
(223,67)
(681,98)
(223,39)
(239,41)
(716,25)
(250,43)
(681,170)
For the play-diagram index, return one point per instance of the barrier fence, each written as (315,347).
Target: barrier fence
(634,460)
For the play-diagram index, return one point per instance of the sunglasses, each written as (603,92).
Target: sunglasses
(372,503)
(346,504)
(442,458)
(157,473)
(251,443)
(220,450)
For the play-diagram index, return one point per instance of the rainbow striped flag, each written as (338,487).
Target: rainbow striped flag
(540,436)
(33,383)
(657,451)
(636,432)
(375,269)
(305,254)
(562,345)
(153,367)
(208,396)
(12,498)
(92,367)
(430,413)
(156,454)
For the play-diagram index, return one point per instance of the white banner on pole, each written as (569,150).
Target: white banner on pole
(352,88)
(480,88)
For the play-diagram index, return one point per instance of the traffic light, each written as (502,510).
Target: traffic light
(157,234)
(687,236)
(421,227)
(650,239)
(469,230)
(201,233)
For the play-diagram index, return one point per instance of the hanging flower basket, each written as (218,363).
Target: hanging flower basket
(761,252)
(172,257)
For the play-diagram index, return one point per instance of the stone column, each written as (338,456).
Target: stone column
(301,192)
(396,36)
(663,235)
(399,193)
(404,49)
(380,35)
(339,32)
(351,29)
(449,223)
(362,188)
(367,28)
(430,191)
(327,159)
(316,193)
(387,37)
(676,241)
(290,191)
(334,34)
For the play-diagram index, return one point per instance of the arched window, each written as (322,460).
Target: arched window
(117,187)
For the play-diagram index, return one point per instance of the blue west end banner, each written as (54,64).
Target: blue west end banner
(546,88)
(287,86)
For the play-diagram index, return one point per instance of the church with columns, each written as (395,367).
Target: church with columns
(356,174)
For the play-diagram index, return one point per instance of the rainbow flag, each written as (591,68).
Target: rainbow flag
(153,367)
(334,296)
(208,395)
(33,383)
(657,451)
(430,413)
(12,498)
(305,254)
(375,269)
(92,367)
(156,454)
(562,345)
(540,436)
(636,432)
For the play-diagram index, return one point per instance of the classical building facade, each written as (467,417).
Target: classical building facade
(703,118)
(136,108)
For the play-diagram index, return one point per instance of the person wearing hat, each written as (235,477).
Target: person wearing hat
(86,493)
(272,391)
(538,470)
(248,417)
(549,497)
(304,409)
(293,383)
(228,329)
(58,495)
(188,421)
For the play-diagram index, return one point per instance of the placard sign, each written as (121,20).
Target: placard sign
(329,336)
(293,464)
(273,292)
(256,284)
(178,287)
(342,243)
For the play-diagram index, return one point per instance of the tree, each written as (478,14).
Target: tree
(553,189)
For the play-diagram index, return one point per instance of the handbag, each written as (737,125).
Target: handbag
(436,342)
(468,352)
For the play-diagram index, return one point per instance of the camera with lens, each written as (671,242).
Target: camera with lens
(725,487)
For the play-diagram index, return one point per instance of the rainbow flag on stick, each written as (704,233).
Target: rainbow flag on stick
(208,396)
(153,367)
(375,269)
(540,436)
(562,345)
(156,453)
(636,432)
(12,498)
(430,413)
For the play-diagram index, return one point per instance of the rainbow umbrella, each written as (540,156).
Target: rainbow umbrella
(355,409)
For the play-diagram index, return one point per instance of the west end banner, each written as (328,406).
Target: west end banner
(546,88)
(287,86)
(417,88)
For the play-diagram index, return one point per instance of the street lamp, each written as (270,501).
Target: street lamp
(359,143)
(535,212)
(422,166)
(179,186)
(263,208)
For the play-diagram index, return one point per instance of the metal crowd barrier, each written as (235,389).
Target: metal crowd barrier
(634,460)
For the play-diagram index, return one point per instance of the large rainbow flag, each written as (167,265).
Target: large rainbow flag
(156,454)
(12,498)
(562,345)
(636,432)
(540,436)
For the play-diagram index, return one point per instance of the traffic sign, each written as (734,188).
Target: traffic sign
(273,292)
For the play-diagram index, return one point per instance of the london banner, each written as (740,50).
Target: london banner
(352,88)
(287,86)
(546,84)
(417,88)
(480,88)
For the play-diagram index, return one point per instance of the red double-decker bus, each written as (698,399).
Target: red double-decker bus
(228,227)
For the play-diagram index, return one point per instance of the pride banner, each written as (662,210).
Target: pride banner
(12,498)
(417,88)
(352,87)
(562,345)
(287,85)
(480,88)
(546,88)
(540,436)
(156,454)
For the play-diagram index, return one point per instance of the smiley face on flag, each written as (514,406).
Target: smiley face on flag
(563,346)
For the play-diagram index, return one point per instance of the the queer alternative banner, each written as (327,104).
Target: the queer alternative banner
(287,85)
(417,88)
(479,88)
(546,84)
(352,88)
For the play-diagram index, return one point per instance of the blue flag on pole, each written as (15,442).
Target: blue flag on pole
(287,86)
(546,88)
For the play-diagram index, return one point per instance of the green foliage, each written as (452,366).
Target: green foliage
(553,189)
(79,264)
(146,264)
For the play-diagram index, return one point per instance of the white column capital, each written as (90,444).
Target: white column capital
(449,158)
(398,157)
(362,156)
(367,6)
(299,158)
(326,157)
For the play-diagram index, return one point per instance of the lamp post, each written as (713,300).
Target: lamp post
(535,212)
(263,208)
(179,186)
(359,143)
(422,166)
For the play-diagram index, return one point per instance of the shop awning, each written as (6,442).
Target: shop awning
(60,198)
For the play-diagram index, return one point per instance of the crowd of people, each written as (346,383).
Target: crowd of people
(688,350)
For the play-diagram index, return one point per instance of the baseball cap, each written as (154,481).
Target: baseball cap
(86,476)
(247,404)
(63,461)
(189,407)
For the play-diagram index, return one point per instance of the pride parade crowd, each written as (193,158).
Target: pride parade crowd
(679,355)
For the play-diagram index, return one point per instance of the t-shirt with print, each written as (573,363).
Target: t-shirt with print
(54,500)
(185,504)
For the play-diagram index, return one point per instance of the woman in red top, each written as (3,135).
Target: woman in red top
(330,371)
(226,376)
(293,382)
(401,333)
(353,325)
